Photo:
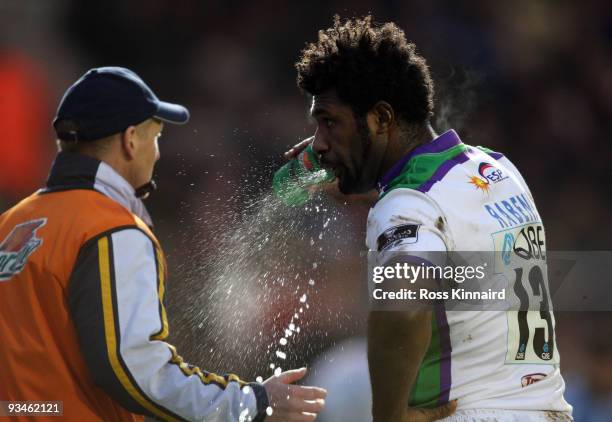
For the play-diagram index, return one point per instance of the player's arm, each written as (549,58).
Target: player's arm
(115,298)
(397,342)
(403,230)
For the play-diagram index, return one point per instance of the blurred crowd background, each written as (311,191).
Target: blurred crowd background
(532,79)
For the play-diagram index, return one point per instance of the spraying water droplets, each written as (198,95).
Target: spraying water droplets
(262,273)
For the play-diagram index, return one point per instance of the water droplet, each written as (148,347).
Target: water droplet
(281,355)
(272,366)
(259,379)
(314,265)
(278,371)
(311,282)
(283,341)
(269,411)
(303,298)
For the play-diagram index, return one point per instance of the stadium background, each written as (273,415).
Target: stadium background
(532,79)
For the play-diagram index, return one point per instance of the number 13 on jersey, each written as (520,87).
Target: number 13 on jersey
(531,333)
(531,328)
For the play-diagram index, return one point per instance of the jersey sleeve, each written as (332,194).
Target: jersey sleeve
(406,220)
(116,302)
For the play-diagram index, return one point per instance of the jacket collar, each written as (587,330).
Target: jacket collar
(75,171)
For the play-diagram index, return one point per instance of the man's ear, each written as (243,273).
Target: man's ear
(382,117)
(128,143)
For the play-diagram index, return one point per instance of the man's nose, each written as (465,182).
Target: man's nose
(319,145)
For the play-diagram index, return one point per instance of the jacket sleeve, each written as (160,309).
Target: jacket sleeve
(116,302)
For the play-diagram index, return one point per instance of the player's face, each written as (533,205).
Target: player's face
(148,150)
(342,141)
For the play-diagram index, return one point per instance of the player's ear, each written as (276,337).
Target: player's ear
(382,117)
(129,144)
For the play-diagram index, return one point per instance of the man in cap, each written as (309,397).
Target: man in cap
(82,279)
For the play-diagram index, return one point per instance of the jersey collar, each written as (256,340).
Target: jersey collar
(443,142)
(77,171)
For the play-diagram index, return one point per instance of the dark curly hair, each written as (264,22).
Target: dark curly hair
(366,63)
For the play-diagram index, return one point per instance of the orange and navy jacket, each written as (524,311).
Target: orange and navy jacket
(82,317)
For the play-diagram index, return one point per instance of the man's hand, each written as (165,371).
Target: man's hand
(293,402)
(297,148)
(331,189)
(414,414)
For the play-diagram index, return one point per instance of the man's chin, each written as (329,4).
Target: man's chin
(348,186)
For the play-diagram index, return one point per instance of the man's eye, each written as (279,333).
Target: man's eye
(328,122)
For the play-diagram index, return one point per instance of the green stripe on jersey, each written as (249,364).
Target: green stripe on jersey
(485,149)
(420,168)
(426,389)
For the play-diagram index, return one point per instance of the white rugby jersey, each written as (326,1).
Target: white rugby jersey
(449,196)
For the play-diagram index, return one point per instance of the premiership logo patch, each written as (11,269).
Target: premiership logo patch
(17,247)
(406,233)
(532,379)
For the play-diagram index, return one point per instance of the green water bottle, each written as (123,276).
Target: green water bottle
(292,181)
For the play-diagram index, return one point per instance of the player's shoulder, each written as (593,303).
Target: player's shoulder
(407,211)
(401,200)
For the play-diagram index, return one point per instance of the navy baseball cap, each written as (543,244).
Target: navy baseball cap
(107,100)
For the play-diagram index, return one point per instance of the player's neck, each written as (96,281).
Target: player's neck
(405,140)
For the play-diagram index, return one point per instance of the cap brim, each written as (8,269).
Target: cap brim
(172,113)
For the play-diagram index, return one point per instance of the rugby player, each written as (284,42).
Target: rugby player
(372,100)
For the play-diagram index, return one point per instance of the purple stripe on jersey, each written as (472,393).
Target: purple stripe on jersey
(443,142)
(445,354)
(443,170)
(496,155)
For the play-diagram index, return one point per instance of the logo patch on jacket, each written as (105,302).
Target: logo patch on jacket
(406,233)
(16,248)
(532,379)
